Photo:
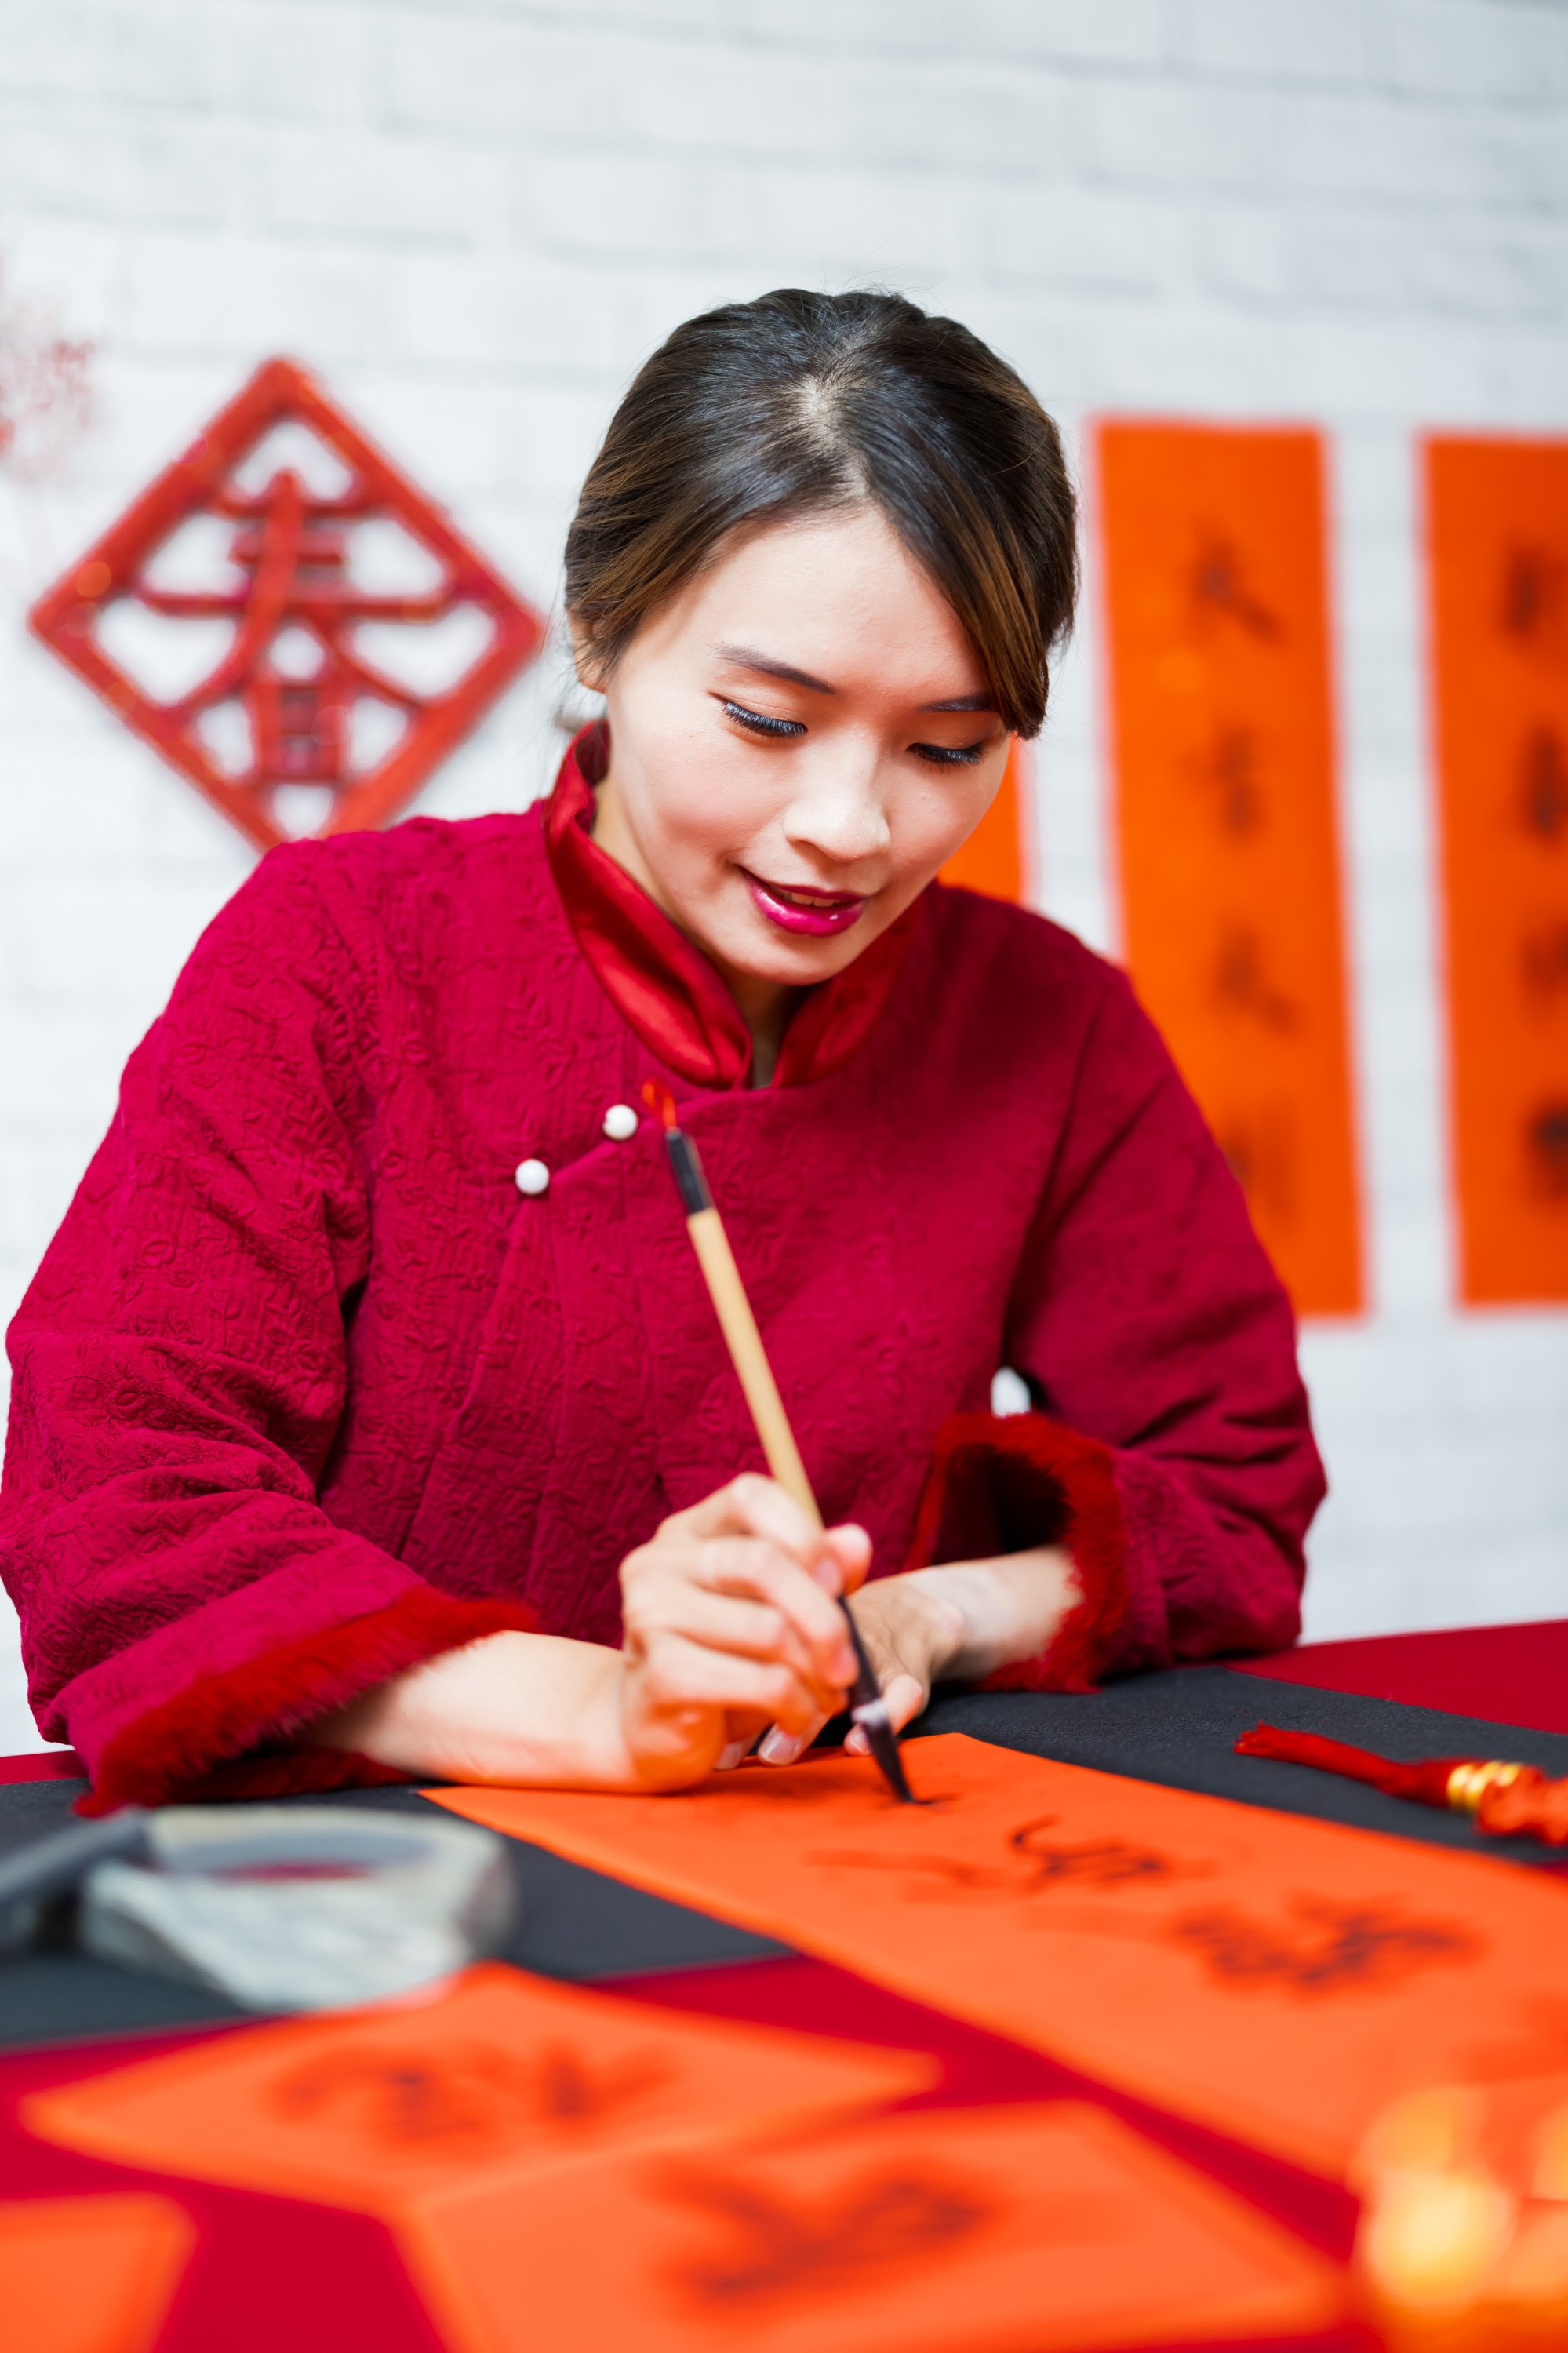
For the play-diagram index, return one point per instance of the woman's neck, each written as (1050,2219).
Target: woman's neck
(765,1005)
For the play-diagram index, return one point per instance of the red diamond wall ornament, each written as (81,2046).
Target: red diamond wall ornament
(288,620)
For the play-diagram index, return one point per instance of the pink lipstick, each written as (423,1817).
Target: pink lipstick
(817,914)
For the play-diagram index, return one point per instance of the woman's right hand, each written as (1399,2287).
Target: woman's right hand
(732,1624)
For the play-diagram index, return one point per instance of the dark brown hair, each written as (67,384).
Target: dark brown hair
(800,402)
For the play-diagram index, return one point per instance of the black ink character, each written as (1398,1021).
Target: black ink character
(1546,963)
(468,2098)
(1327,1948)
(1241,982)
(1261,1151)
(1219,590)
(1546,1147)
(1232,766)
(1033,1864)
(1534,602)
(779,2246)
(1544,785)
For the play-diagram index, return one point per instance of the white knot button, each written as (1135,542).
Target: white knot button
(620,1123)
(533,1177)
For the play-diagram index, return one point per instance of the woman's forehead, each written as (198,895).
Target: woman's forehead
(828,603)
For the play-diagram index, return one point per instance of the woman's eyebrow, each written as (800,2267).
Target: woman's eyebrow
(746,657)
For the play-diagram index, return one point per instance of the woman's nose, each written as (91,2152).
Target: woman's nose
(840,814)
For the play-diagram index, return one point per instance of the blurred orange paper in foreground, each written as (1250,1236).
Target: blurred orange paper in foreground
(1282,1979)
(502,2076)
(89,2274)
(1006,2230)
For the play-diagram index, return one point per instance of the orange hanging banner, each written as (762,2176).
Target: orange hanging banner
(1223,729)
(1498,545)
(994,859)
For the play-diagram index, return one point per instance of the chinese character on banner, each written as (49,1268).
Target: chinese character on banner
(1497,533)
(287,618)
(1222,727)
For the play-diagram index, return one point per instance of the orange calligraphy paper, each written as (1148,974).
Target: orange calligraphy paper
(1498,525)
(1005,2229)
(89,2274)
(994,860)
(1282,1979)
(503,2075)
(1222,717)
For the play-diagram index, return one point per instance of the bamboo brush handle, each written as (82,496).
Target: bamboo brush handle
(739,1326)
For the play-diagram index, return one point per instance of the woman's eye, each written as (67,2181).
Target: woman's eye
(948,755)
(759,724)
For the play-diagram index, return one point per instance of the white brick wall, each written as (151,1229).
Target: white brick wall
(475,215)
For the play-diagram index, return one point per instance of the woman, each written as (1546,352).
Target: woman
(370,1419)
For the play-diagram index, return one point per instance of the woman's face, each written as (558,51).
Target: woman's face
(798,740)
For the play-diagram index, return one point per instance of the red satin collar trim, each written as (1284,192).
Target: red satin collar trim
(665,988)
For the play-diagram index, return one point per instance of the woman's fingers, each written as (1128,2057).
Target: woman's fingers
(751,1506)
(850,1548)
(738,1565)
(667,1581)
(837,1558)
(678,1673)
(782,1744)
(905,1697)
(751,1629)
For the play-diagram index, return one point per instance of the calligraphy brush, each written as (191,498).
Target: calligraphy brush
(867,1707)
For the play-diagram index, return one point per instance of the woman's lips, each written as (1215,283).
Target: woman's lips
(815,913)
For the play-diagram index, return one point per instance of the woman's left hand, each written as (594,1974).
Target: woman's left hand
(955,1623)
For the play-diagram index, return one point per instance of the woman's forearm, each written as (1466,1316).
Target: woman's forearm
(530,1709)
(993,1613)
(539,1712)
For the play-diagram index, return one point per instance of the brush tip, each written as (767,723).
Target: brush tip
(660,1101)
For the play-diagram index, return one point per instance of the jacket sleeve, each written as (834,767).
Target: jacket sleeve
(1172,1454)
(179,1372)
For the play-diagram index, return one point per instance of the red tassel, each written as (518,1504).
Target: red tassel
(1506,1800)
(1427,1783)
(1528,1803)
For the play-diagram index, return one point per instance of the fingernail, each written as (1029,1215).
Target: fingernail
(729,1757)
(856,1743)
(780,1747)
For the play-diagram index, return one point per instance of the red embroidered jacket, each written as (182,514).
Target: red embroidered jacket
(306,1391)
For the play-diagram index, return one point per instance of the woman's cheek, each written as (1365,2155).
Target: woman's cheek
(932,834)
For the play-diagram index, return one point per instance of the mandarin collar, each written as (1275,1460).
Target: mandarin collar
(664,987)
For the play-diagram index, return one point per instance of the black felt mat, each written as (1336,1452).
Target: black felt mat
(572,1923)
(1180,1729)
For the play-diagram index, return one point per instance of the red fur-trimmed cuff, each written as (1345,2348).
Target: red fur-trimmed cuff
(1001,1484)
(204,1743)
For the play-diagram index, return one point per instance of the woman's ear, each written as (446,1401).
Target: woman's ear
(585,659)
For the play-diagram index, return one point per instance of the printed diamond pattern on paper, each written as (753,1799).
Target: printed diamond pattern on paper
(288,620)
